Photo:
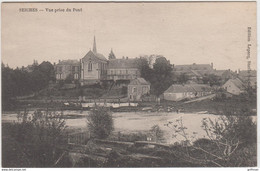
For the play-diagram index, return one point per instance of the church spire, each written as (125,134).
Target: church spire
(94,45)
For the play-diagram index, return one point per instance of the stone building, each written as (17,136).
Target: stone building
(178,92)
(234,86)
(137,88)
(122,69)
(66,68)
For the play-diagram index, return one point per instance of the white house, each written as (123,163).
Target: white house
(234,86)
(177,92)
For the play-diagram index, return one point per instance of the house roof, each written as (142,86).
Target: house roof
(219,72)
(69,62)
(196,73)
(193,67)
(238,83)
(122,63)
(244,73)
(178,88)
(139,81)
(200,87)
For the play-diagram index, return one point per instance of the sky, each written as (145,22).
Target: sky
(185,33)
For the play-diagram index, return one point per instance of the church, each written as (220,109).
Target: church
(93,66)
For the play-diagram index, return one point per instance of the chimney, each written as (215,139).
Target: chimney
(123,57)
(127,57)
(212,65)
(59,60)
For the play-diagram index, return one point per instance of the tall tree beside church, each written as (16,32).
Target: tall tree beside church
(162,75)
(111,55)
(145,70)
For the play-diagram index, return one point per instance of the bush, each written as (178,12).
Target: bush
(156,133)
(100,123)
(37,137)
(229,136)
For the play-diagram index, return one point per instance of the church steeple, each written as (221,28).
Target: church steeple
(94,45)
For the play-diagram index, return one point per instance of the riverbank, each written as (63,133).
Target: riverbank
(210,104)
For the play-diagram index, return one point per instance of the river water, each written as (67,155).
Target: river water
(134,122)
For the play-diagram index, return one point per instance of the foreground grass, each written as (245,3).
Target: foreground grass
(103,154)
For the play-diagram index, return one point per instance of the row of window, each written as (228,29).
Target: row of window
(121,76)
(144,90)
(74,68)
(121,72)
(59,76)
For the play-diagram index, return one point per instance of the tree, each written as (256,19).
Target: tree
(145,70)
(212,79)
(69,79)
(39,137)
(100,122)
(162,75)
(111,55)
(227,137)
(183,78)
(156,133)
(47,69)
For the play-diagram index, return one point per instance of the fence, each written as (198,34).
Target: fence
(79,138)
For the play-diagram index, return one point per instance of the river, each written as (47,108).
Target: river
(133,122)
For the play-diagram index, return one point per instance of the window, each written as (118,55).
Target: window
(89,66)
(134,89)
(76,76)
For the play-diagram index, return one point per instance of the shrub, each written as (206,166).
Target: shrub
(38,138)
(156,133)
(229,136)
(100,122)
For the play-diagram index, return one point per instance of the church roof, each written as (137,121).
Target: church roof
(122,63)
(97,55)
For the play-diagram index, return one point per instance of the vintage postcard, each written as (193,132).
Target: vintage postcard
(129,84)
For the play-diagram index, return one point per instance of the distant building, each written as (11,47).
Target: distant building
(225,74)
(248,76)
(137,88)
(194,71)
(122,69)
(30,68)
(178,92)
(93,66)
(234,86)
(67,67)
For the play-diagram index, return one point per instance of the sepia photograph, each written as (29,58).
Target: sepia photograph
(128,84)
